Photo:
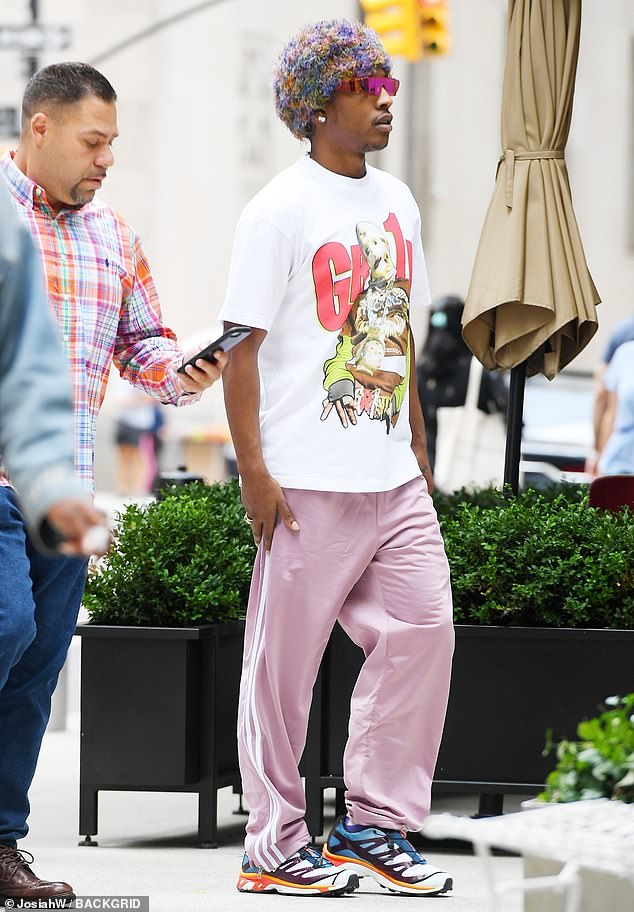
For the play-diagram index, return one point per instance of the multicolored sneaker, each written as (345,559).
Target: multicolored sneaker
(306,873)
(387,856)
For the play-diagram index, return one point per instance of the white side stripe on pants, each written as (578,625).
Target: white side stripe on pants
(252,733)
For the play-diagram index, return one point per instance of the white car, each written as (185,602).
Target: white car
(557,434)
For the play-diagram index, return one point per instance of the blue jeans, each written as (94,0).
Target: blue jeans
(39,602)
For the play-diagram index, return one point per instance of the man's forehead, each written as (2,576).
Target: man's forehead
(91,115)
(90,129)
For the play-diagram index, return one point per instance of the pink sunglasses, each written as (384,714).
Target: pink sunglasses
(370,85)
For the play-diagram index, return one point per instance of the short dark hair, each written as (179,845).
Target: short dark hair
(64,84)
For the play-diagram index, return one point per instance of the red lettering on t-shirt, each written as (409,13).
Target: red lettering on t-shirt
(392,226)
(331,275)
(340,276)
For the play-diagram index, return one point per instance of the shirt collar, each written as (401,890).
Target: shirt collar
(22,187)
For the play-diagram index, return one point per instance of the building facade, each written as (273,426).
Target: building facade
(198,136)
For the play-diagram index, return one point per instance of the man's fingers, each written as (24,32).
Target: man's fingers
(327,404)
(288,519)
(256,529)
(265,529)
(267,533)
(341,412)
(221,360)
(203,370)
(428,475)
(96,541)
(203,374)
(344,408)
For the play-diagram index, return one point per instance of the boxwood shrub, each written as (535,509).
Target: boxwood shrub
(180,561)
(542,559)
(535,560)
(448,504)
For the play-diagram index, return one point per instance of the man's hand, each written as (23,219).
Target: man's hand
(81,526)
(344,408)
(420,451)
(591,466)
(264,502)
(203,374)
(341,397)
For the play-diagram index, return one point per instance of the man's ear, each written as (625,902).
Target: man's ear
(39,127)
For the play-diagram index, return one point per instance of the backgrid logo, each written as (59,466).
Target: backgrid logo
(93,903)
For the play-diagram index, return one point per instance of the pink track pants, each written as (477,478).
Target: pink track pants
(376,563)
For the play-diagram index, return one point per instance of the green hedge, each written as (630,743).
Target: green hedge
(535,560)
(448,504)
(539,559)
(183,560)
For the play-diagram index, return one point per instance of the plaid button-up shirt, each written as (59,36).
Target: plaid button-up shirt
(101,290)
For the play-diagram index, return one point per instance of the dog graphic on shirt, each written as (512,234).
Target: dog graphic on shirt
(368,373)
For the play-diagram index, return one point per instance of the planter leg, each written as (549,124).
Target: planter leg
(312,764)
(88,797)
(240,811)
(314,808)
(340,802)
(208,820)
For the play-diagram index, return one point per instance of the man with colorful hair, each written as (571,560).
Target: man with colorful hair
(330,444)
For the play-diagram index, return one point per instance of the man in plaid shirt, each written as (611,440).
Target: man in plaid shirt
(107,310)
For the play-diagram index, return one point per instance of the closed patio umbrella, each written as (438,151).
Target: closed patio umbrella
(531,305)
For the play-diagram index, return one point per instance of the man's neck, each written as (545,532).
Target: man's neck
(346,164)
(20,159)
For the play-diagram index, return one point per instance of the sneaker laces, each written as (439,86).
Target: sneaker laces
(15,858)
(397,841)
(317,860)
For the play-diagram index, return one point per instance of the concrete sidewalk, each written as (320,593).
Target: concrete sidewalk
(147,846)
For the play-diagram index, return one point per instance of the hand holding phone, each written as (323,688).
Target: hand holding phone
(226,342)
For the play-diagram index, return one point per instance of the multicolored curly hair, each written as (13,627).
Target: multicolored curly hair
(315,62)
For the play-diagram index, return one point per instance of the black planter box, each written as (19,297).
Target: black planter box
(158,713)
(509,686)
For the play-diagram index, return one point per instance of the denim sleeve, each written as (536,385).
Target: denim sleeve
(36,411)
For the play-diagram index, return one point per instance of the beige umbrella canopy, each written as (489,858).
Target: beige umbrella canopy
(531,300)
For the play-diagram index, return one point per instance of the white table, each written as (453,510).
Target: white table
(595,835)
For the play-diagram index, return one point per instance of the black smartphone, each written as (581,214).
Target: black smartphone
(226,342)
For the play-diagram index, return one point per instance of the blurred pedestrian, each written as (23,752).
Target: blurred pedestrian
(137,423)
(106,307)
(615,446)
(622,332)
(443,372)
(330,443)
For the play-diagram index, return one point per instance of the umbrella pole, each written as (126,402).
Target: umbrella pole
(514,427)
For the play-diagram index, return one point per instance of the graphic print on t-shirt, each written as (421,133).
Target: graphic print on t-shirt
(367,377)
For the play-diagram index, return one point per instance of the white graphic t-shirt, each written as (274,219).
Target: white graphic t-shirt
(330,266)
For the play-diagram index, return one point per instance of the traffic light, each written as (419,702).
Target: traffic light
(434,16)
(398,24)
